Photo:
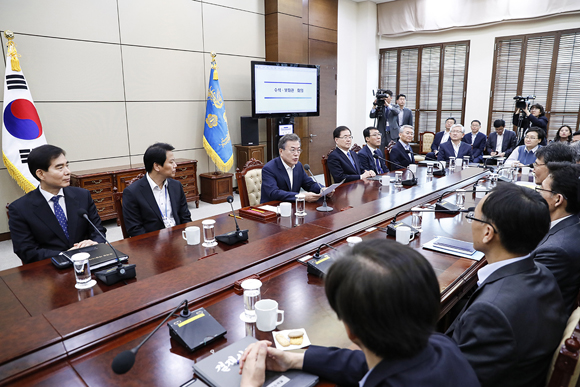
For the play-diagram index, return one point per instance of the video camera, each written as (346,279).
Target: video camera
(381,96)
(522,102)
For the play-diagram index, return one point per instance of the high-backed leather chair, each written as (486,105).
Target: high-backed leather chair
(118,202)
(565,366)
(250,182)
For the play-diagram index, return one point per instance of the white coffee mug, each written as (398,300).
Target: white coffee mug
(413,168)
(385,180)
(525,171)
(459,163)
(285,209)
(404,235)
(267,315)
(191,235)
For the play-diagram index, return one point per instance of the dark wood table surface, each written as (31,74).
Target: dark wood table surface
(51,332)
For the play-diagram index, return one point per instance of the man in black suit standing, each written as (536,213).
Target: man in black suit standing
(402,153)
(342,162)
(368,162)
(559,251)
(502,142)
(45,221)
(155,201)
(513,322)
(405,116)
(387,122)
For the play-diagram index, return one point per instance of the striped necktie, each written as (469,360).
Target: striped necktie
(60,215)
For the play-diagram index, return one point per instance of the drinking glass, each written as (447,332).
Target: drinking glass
(300,205)
(82,271)
(209,233)
(251,296)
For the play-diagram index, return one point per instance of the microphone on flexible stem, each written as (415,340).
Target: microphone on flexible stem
(323,207)
(124,361)
(319,265)
(235,236)
(392,227)
(440,172)
(114,275)
(503,178)
(410,182)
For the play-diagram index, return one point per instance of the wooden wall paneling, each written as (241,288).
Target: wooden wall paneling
(305,11)
(323,34)
(289,7)
(323,13)
(271,21)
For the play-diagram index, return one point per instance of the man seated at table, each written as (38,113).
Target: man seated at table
(155,201)
(344,163)
(559,251)
(554,152)
(455,147)
(476,140)
(45,221)
(366,155)
(525,155)
(440,138)
(401,153)
(387,296)
(514,321)
(500,143)
(283,176)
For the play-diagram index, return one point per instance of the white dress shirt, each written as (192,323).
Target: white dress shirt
(456,147)
(48,196)
(289,171)
(499,143)
(163,201)
(488,270)
(445,137)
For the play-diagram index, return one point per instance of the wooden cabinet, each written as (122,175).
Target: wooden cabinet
(101,183)
(246,152)
(215,188)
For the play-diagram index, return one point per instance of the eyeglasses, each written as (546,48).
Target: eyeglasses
(374,135)
(472,217)
(550,191)
(346,137)
(530,138)
(536,164)
(295,150)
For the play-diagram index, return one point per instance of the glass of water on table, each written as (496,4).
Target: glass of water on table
(251,296)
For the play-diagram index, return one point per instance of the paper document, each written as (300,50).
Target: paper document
(328,190)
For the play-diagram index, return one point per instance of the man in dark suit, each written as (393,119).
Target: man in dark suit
(342,162)
(366,155)
(387,122)
(476,140)
(155,201)
(395,333)
(283,176)
(441,137)
(514,321)
(45,221)
(454,147)
(404,116)
(554,152)
(402,153)
(502,142)
(559,251)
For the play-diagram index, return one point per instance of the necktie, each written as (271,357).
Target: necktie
(351,160)
(378,163)
(60,215)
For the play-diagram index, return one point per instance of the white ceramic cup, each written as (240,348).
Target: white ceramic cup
(385,180)
(413,168)
(191,235)
(353,240)
(267,315)
(459,163)
(404,235)
(525,171)
(285,209)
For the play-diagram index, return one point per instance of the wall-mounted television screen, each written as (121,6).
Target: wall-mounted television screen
(282,89)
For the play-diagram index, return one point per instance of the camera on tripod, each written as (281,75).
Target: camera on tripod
(522,102)
(381,96)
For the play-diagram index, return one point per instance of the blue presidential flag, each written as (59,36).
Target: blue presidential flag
(21,127)
(216,136)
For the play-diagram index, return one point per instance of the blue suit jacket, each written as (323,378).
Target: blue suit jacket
(477,147)
(511,325)
(439,364)
(559,251)
(437,141)
(341,168)
(276,184)
(400,156)
(368,162)
(446,150)
(508,144)
(37,235)
(141,211)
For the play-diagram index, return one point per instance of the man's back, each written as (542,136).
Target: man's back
(512,325)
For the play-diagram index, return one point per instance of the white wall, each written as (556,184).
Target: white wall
(481,39)
(111,77)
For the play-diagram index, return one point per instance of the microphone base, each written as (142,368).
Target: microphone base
(392,228)
(409,183)
(440,172)
(117,273)
(447,208)
(324,209)
(231,238)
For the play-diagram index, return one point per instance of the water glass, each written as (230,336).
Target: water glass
(417,218)
(452,163)
(252,295)
(82,271)
(460,197)
(300,205)
(209,233)
(500,162)
(465,161)
(398,179)
(430,170)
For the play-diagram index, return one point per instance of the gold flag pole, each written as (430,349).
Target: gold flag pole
(15,63)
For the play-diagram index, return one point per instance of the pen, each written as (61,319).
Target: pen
(253,209)
(237,217)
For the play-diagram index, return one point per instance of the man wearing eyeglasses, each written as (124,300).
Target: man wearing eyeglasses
(342,162)
(283,176)
(554,152)
(455,147)
(366,154)
(513,322)
(559,251)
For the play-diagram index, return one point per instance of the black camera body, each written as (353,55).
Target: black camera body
(522,102)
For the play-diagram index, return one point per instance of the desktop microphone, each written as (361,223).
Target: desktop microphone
(409,183)
(319,265)
(235,236)
(323,207)
(392,227)
(440,172)
(125,360)
(118,273)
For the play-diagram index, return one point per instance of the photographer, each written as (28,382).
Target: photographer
(386,117)
(533,117)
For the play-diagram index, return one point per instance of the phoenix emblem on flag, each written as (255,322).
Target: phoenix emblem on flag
(211,120)
(225,141)
(215,97)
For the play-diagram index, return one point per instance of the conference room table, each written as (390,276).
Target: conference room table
(55,334)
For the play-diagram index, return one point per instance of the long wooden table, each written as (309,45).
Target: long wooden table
(51,332)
